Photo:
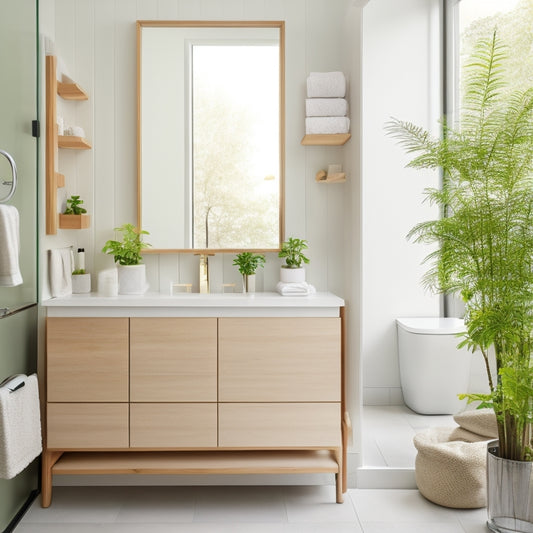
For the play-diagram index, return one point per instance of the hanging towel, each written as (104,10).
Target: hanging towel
(318,125)
(326,107)
(60,272)
(20,425)
(326,85)
(295,289)
(9,247)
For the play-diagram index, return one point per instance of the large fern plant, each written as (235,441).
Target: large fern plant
(485,236)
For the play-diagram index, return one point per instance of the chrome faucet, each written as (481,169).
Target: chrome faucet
(204,273)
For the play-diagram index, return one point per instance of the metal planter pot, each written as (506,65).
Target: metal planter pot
(509,493)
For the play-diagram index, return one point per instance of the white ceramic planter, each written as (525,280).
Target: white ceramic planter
(81,283)
(292,275)
(132,279)
(248,283)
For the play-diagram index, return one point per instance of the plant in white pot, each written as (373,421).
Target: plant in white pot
(485,255)
(292,251)
(127,255)
(248,263)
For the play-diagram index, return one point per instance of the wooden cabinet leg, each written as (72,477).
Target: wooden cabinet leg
(339,475)
(49,459)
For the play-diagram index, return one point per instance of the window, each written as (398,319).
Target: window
(471,20)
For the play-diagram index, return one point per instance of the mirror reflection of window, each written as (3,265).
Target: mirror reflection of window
(210,138)
(235,145)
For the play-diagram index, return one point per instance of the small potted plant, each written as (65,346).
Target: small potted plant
(74,216)
(127,255)
(248,263)
(292,251)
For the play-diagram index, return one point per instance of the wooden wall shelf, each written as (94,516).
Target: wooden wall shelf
(55,180)
(334,139)
(71,91)
(74,221)
(70,141)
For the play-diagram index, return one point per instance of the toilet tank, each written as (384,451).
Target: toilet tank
(433,371)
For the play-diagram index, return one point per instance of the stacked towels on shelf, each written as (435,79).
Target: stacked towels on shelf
(326,107)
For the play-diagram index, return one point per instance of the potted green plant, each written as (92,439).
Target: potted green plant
(292,251)
(248,263)
(484,255)
(127,256)
(74,216)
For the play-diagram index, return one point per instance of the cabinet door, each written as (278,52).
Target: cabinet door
(279,425)
(87,425)
(87,359)
(279,359)
(173,425)
(173,359)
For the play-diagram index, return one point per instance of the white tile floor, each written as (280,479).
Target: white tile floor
(267,509)
(388,434)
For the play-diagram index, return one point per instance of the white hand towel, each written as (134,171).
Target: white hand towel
(60,272)
(326,85)
(328,125)
(9,246)
(20,427)
(295,289)
(326,107)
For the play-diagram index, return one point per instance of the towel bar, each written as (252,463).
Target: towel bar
(14,383)
(13,181)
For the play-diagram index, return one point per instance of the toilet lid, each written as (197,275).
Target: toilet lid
(432,325)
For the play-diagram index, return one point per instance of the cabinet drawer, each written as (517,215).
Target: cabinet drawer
(167,425)
(92,425)
(279,359)
(173,359)
(87,359)
(265,425)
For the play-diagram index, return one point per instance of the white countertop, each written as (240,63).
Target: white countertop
(194,304)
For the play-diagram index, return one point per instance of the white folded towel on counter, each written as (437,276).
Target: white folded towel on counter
(60,272)
(295,289)
(320,125)
(326,85)
(326,107)
(20,425)
(10,275)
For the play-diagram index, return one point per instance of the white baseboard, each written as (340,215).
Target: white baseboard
(373,477)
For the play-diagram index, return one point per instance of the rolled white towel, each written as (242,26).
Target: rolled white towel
(295,289)
(320,125)
(326,107)
(326,85)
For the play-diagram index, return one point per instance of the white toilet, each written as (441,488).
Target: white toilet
(433,371)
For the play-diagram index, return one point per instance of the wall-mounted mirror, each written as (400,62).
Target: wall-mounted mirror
(211,134)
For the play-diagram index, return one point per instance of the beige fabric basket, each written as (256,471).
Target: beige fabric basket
(451,472)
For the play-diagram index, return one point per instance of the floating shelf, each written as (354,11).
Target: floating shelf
(333,139)
(74,221)
(323,177)
(71,91)
(70,141)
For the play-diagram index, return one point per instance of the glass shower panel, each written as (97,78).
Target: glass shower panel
(18,107)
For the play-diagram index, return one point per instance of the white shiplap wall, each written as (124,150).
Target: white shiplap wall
(96,41)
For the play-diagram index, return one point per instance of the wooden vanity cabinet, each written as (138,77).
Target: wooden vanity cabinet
(187,395)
